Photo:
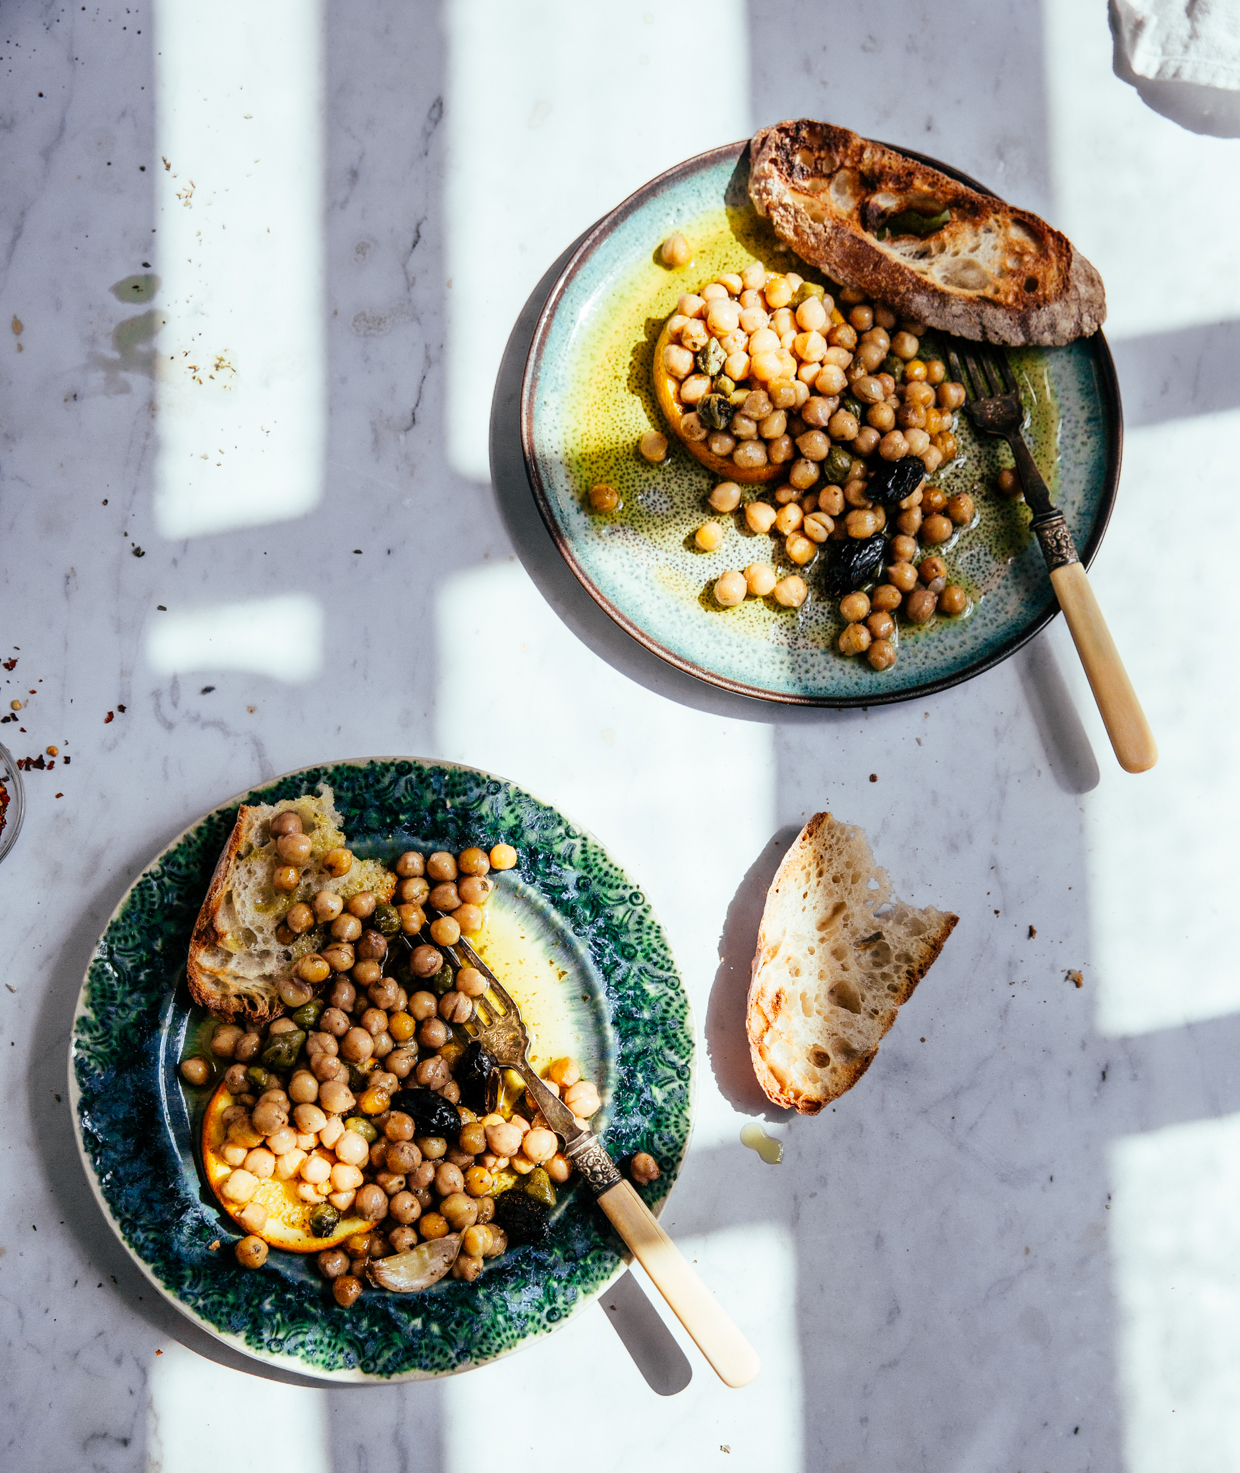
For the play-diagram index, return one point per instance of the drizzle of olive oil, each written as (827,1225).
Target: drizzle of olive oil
(537,985)
(771,1150)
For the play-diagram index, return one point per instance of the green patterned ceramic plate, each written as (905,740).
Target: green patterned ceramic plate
(623,1008)
(587,400)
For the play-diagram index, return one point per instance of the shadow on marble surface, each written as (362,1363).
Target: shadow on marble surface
(1051,704)
(726,1042)
(664,1366)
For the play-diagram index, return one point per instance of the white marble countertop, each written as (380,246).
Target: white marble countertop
(1013,1245)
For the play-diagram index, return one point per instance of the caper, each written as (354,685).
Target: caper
(363,1128)
(359,1077)
(260,1078)
(725,386)
(837,465)
(854,407)
(324,1220)
(806,290)
(894,366)
(385,919)
(282,1051)
(442,981)
(538,1185)
(309,1013)
(710,359)
(715,411)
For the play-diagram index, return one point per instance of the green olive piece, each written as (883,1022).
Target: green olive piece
(282,1051)
(538,1185)
(259,1077)
(386,919)
(309,1013)
(725,386)
(894,366)
(806,290)
(361,1126)
(711,358)
(837,465)
(324,1220)
(359,1078)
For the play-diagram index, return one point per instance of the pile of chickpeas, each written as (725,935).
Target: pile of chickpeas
(771,371)
(312,1091)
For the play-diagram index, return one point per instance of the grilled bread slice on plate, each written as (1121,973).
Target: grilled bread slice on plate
(909,235)
(837,955)
(236,960)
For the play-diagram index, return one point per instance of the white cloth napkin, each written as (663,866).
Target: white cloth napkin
(1194,41)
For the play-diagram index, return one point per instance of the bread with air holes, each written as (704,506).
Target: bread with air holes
(991,272)
(236,961)
(837,955)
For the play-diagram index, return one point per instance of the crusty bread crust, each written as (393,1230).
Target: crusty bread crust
(991,273)
(205,981)
(836,958)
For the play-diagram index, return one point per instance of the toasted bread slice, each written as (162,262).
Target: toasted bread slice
(836,957)
(235,959)
(933,249)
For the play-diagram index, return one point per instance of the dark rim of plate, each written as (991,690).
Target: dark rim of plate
(731,152)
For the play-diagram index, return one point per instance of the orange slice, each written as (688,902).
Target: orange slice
(288,1217)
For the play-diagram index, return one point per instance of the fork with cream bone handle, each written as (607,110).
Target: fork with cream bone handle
(498,1027)
(994,406)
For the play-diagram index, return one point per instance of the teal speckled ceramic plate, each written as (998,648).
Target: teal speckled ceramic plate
(623,1008)
(587,399)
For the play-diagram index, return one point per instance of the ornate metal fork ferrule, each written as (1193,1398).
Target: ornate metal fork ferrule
(1056,541)
(595,1165)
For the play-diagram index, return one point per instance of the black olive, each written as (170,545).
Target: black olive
(854,562)
(524,1218)
(473,1070)
(894,481)
(715,411)
(432,1114)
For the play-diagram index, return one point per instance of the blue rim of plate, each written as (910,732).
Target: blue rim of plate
(131,1020)
(1105,377)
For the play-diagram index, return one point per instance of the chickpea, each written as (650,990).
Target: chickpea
(346,1289)
(225,1039)
(931,568)
(893,446)
(239,1186)
(903,576)
(886,597)
(905,345)
(920,605)
(293,993)
(818,526)
(881,625)
(339,957)
(445,930)
(854,607)
(861,317)
(294,848)
(337,862)
(788,518)
(855,640)
(936,528)
(564,1072)
(909,521)
(676,251)
(251,1252)
(951,395)
(455,1007)
(881,654)
(357,1045)
(881,417)
(503,856)
(539,1146)
(448,1179)
(346,927)
(195,1070)
(791,592)
(332,1262)
(861,523)
(644,1169)
(709,536)
(433,1073)
(800,549)
(730,589)
(434,1225)
(760,516)
(653,447)
(371,1203)
(1009,485)
(288,822)
(426,962)
(953,600)
(802,474)
(459,1210)
(269,1117)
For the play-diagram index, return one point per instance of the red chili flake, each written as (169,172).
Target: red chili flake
(10,664)
(120,708)
(60,795)
(111,716)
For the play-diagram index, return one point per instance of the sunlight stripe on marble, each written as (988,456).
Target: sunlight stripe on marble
(1175,1221)
(518,691)
(282,637)
(240,384)
(761,1426)
(202,1415)
(556,111)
